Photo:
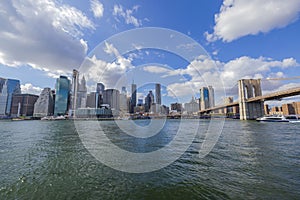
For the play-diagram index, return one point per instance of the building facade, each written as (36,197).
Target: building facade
(62,96)
(9,87)
(23,104)
(133,98)
(44,106)
(112,98)
(158,93)
(207,97)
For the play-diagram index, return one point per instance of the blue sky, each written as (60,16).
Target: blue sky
(41,39)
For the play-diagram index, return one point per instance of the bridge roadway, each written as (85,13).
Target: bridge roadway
(272,96)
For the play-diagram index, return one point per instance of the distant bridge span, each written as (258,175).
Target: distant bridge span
(257,99)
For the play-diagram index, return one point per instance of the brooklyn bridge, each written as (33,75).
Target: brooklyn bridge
(251,100)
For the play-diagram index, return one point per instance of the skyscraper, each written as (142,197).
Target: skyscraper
(62,88)
(133,98)
(149,100)
(23,104)
(112,97)
(44,106)
(158,93)
(211,93)
(99,94)
(207,97)
(9,88)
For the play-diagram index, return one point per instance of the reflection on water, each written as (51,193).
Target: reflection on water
(47,160)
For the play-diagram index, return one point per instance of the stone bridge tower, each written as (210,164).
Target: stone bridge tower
(249,88)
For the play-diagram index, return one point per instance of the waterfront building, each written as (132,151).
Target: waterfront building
(133,98)
(207,97)
(288,109)
(177,107)
(23,104)
(158,93)
(155,108)
(123,102)
(192,106)
(44,106)
(92,99)
(3,99)
(149,100)
(296,106)
(103,112)
(276,110)
(99,94)
(8,89)
(112,98)
(2,82)
(79,92)
(62,98)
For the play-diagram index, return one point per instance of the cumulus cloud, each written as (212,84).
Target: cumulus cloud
(42,33)
(28,88)
(97,8)
(127,15)
(223,76)
(110,73)
(238,18)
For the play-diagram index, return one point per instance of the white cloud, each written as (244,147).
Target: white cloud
(238,18)
(28,88)
(97,8)
(204,71)
(98,70)
(42,33)
(156,69)
(127,15)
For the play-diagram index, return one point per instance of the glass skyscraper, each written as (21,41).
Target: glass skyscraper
(8,89)
(62,97)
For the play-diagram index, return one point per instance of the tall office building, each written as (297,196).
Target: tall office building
(99,94)
(207,97)
(75,83)
(82,94)
(62,100)
(79,91)
(158,93)
(2,82)
(44,106)
(112,97)
(23,104)
(211,94)
(133,98)
(149,100)
(9,88)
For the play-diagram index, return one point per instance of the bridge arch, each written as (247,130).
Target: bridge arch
(249,88)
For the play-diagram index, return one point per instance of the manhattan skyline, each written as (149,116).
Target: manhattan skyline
(262,46)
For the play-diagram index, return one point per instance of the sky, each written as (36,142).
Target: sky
(218,43)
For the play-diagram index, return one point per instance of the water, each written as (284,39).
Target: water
(47,160)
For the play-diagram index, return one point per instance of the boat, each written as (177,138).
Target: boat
(275,118)
(293,118)
(54,118)
(279,118)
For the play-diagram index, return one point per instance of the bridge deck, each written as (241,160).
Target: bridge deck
(267,97)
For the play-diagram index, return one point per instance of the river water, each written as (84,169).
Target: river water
(251,160)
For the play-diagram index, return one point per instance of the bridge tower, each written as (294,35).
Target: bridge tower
(249,88)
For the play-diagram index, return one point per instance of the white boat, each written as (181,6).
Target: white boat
(293,118)
(275,118)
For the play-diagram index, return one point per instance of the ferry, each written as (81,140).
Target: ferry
(279,118)
(275,118)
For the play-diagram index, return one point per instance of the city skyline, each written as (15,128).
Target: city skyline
(248,49)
